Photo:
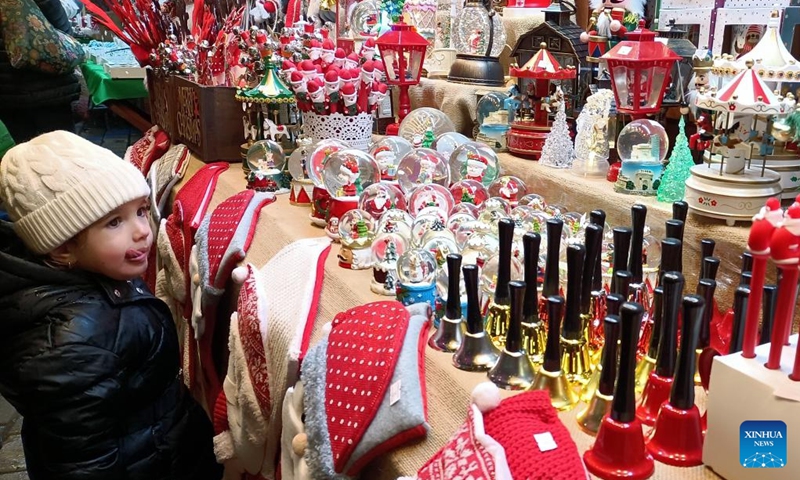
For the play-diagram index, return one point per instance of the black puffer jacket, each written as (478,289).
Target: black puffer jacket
(92,364)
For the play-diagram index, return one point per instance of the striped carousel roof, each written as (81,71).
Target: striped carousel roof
(544,66)
(745,93)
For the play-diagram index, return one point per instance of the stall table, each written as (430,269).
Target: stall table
(448,389)
(115,93)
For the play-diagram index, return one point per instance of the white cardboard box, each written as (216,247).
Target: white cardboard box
(742,390)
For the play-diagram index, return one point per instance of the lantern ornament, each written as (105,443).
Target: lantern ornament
(403,53)
(479,37)
(640,72)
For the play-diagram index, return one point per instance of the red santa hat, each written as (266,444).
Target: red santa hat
(764,224)
(296,77)
(348,89)
(350,165)
(474,160)
(314,43)
(270,6)
(288,66)
(313,85)
(340,54)
(754,29)
(328,45)
(785,241)
(307,67)
(332,76)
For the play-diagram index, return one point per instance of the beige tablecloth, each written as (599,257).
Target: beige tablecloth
(448,389)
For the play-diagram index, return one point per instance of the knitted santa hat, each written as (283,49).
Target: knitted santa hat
(153,144)
(364,388)
(520,437)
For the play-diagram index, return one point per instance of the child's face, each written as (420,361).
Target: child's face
(118,244)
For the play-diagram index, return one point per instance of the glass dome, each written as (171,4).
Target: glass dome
(424,224)
(380,197)
(266,156)
(365,18)
(474,161)
(387,247)
(320,152)
(347,173)
(422,166)
(489,273)
(469,191)
(357,228)
(468,208)
(387,152)
(534,200)
(419,120)
(642,146)
(458,219)
(440,245)
(416,266)
(431,195)
(298,160)
(447,142)
(509,188)
(494,117)
(395,221)
(471,33)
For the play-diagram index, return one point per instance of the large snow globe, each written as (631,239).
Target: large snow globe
(642,146)
(494,120)
(479,37)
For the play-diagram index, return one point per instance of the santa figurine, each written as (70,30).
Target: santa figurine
(476,166)
(751,39)
(366,75)
(314,50)
(368,49)
(287,67)
(332,89)
(427,169)
(386,160)
(349,97)
(764,224)
(298,83)
(474,41)
(317,94)
(381,203)
(349,177)
(339,57)
(376,95)
(308,69)
(345,78)
(328,52)
(509,190)
(352,61)
(380,71)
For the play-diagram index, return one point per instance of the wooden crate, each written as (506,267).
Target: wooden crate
(162,101)
(208,120)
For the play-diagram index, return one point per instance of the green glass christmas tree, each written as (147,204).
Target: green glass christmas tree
(673,180)
(428,138)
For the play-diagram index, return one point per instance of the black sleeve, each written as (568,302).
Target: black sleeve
(55,14)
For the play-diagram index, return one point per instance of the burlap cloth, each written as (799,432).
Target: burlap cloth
(448,389)
(459,101)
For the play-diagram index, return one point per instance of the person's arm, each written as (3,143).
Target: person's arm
(55,14)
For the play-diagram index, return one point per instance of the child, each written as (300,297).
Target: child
(88,356)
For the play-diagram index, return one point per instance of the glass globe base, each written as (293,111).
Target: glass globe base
(477,70)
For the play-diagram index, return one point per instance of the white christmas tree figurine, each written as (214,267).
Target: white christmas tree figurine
(558,151)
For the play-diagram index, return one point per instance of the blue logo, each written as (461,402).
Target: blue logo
(762,444)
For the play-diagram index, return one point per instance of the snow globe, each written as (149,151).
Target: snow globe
(422,166)
(422,120)
(431,221)
(479,37)
(494,120)
(416,273)
(468,208)
(386,248)
(387,152)
(489,270)
(495,203)
(356,232)
(474,161)
(456,220)
(346,174)
(425,198)
(479,247)
(509,188)
(469,191)
(642,146)
(266,163)
(320,198)
(440,243)
(534,200)
(447,142)
(396,221)
(302,186)
(381,197)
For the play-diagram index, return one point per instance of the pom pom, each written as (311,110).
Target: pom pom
(615,25)
(486,396)
(239,275)
(584,37)
(774,204)
(326,329)
(299,444)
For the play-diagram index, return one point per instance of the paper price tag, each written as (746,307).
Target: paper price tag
(545,441)
(394,393)
(624,50)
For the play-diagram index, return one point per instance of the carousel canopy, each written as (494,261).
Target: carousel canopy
(746,93)
(772,61)
(543,66)
(270,90)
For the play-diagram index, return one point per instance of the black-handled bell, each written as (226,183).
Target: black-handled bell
(638,218)
(613,303)
(608,360)
(554,228)
(593,242)
(740,298)
(514,335)
(670,256)
(506,237)
(747,262)
(450,334)
(682,392)
(531,243)
(746,278)
(675,230)
(706,250)
(706,288)
(768,303)
(657,316)
(623,408)
(622,247)
(572,328)
(680,210)
(513,370)
(710,268)
(667,346)
(598,217)
(552,351)
(621,283)
(599,392)
(474,318)
(453,305)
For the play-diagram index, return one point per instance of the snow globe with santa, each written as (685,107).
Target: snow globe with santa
(416,273)
(423,166)
(430,198)
(469,191)
(266,162)
(346,174)
(447,142)
(380,197)
(356,233)
(312,169)
(387,152)
(396,221)
(386,249)
(474,161)
(509,188)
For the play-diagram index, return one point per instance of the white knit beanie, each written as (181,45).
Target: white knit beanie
(58,184)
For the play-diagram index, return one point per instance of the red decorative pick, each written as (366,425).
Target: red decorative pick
(785,252)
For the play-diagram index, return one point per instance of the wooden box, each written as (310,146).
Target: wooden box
(208,120)
(162,101)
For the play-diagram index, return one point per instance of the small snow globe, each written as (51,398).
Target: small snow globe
(474,161)
(387,152)
(447,142)
(495,203)
(574,225)
(509,188)
(396,221)
(478,34)
(555,210)
(456,220)
(421,120)
(424,224)
(386,249)
(356,231)
(469,191)
(642,146)
(494,120)
(266,163)
(429,196)
(468,208)
(381,197)
(320,152)
(440,244)
(416,272)
(423,166)
(535,201)
(365,18)
(347,173)
(489,273)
